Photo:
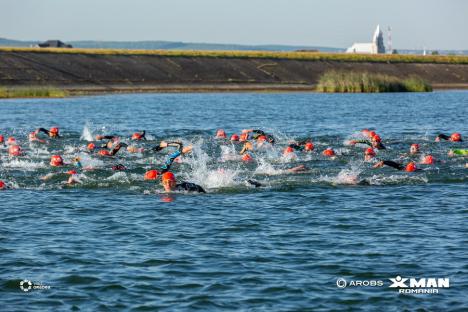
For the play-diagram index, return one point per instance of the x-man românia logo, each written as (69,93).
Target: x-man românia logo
(419,286)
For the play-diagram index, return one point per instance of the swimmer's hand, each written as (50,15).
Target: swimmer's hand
(47,177)
(254,183)
(378,165)
(187,149)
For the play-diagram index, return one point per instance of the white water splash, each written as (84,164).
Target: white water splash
(87,135)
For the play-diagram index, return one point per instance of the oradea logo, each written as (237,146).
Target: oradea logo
(419,286)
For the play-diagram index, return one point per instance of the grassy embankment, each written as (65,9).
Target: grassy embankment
(309,56)
(45,92)
(363,82)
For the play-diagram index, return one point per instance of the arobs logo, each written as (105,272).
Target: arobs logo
(419,286)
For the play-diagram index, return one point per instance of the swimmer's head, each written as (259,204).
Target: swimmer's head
(329,152)
(54,132)
(414,149)
(151,175)
(14,150)
(309,147)
(2,185)
(243,137)
(288,150)
(369,151)
(138,136)
(56,161)
(376,138)
(168,181)
(91,146)
(428,160)
(456,137)
(261,138)
(371,134)
(234,137)
(410,167)
(72,172)
(220,134)
(247,158)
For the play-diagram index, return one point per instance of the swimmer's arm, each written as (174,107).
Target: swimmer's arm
(389,163)
(43,130)
(367,142)
(169,161)
(254,183)
(117,148)
(442,136)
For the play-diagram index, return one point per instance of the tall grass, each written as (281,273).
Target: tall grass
(19,92)
(364,82)
(309,56)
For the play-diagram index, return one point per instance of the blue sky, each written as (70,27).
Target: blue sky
(434,24)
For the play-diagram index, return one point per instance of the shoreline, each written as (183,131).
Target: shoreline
(91,90)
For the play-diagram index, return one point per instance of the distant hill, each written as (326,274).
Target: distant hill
(175,45)
(166,45)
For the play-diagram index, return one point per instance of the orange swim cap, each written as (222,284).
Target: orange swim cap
(410,167)
(54,130)
(71,172)
(369,151)
(416,146)
(11,140)
(288,150)
(328,152)
(151,175)
(234,137)
(168,176)
(262,138)
(309,146)
(220,134)
(244,137)
(2,185)
(91,146)
(247,157)
(56,161)
(455,137)
(14,150)
(428,160)
(2,139)
(137,136)
(376,138)
(371,134)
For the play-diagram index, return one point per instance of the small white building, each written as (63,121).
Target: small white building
(375,47)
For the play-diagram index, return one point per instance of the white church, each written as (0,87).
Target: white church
(374,47)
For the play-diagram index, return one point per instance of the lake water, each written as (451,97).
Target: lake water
(117,242)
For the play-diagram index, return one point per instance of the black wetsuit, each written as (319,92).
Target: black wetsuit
(254,183)
(170,159)
(299,146)
(45,131)
(257,133)
(393,164)
(444,137)
(189,187)
(367,142)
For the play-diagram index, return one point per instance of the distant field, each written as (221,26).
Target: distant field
(309,56)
